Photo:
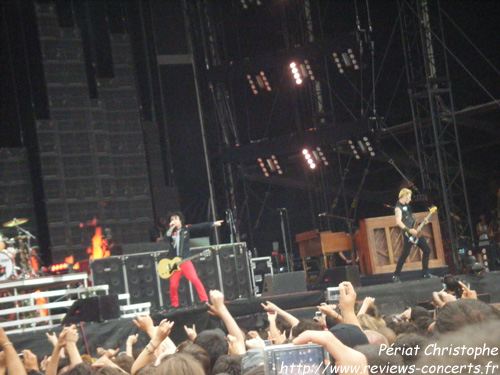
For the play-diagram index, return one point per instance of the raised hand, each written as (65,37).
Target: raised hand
(466,292)
(132,339)
(347,296)
(216,302)
(270,307)
(191,332)
(52,338)
(145,324)
(30,360)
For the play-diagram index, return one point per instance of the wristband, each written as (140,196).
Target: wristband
(153,345)
(6,343)
(406,229)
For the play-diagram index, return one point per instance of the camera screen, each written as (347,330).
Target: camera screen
(299,361)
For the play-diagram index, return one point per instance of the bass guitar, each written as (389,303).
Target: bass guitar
(167,267)
(418,227)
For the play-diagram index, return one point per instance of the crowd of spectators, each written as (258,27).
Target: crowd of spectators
(354,334)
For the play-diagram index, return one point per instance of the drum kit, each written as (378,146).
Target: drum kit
(18,259)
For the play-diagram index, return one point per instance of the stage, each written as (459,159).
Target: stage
(389,298)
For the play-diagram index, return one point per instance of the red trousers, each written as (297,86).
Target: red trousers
(186,269)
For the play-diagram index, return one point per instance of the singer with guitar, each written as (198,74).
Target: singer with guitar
(405,220)
(177,237)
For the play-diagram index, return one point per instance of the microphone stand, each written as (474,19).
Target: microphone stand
(232,226)
(289,266)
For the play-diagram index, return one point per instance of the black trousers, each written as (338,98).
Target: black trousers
(426,252)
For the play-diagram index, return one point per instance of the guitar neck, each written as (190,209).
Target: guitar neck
(422,224)
(190,258)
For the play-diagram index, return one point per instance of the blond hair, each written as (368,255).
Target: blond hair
(404,192)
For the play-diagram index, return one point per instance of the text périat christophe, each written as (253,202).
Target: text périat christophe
(434,349)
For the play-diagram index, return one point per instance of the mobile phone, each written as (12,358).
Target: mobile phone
(317,314)
(280,359)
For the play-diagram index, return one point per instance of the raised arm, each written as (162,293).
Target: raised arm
(12,360)
(367,302)
(71,348)
(218,308)
(346,303)
(54,358)
(271,307)
(145,324)
(161,333)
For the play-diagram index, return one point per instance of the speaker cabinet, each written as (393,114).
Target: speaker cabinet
(142,279)
(284,283)
(334,276)
(93,309)
(108,271)
(234,270)
(206,267)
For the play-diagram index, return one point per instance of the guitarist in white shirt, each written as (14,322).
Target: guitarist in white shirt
(405,220)
(178,237)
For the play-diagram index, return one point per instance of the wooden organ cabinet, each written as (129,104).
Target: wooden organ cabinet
(379,242)
(322,244)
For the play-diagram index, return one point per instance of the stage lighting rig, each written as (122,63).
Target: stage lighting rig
(270,165)
(301,70)
(259,82)
(345,59)
(362,146)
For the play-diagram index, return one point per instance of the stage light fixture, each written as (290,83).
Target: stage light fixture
(263,167)
(267,85)
(353,149)
(277,167)
(345,60)
(259,82)
(320,156)
(301,71)
(270,165)
(252,84)
(309,159)
(59,268)
(361,146)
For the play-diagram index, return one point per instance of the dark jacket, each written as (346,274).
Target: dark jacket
(195,229)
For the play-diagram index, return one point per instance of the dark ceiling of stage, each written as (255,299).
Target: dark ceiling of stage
(254,41)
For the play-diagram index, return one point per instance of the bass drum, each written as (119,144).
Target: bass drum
(6,266)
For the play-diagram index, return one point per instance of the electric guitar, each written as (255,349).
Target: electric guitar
(418,226)
(167,267)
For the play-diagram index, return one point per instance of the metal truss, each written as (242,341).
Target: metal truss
(434,121)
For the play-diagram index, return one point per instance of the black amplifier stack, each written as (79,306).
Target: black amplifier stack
(226,269)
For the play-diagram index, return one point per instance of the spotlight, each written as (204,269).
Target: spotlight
(345,59)
(320,156)
(309,159)
(259,82)
(263,167)
(270,165)
(300,71)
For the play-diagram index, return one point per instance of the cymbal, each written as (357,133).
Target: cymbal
(15,222)
(19,238)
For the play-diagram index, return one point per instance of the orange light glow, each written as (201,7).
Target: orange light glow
(41,301)
(99,247)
